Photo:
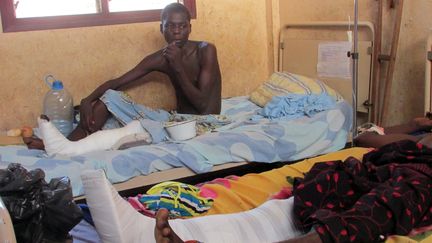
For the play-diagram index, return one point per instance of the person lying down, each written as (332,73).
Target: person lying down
(417,130)
(117,221)
(386,193)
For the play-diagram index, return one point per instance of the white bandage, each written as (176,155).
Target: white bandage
(56,143)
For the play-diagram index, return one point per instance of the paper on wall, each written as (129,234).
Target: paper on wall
(333,61)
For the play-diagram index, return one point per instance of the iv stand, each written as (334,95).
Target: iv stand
(355,56)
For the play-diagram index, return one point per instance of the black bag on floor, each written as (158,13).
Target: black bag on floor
(40,211)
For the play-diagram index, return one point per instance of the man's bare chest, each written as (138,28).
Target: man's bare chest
(192,66)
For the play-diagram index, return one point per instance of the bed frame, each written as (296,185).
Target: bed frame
(298,53)
(140,184)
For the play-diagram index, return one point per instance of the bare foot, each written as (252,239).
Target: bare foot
(34,143)
(163,231)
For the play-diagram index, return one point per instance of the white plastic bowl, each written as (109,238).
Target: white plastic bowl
(181,130)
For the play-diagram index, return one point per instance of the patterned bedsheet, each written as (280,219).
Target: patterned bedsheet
(246,139)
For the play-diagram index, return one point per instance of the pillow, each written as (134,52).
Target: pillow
(283,83)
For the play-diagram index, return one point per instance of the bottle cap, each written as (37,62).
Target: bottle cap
(57,85)
(53,83)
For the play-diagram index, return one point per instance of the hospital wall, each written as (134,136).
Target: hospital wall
(406,99)
(83,58)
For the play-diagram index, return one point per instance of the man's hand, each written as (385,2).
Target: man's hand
(173,54)
(86,115)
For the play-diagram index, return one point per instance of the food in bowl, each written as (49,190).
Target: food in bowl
(181,130)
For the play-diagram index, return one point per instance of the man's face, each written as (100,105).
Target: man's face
(176,27)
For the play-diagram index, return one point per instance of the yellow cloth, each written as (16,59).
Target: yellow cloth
(283,83)
(405,239)
(251,190)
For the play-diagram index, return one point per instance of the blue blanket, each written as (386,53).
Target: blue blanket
(262,140)
(293,106)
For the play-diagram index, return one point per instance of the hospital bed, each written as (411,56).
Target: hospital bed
(253,140)
(257,141)
(304,44)
(246,139)
(262,141)
(236,194)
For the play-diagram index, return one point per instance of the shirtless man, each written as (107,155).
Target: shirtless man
(191,66)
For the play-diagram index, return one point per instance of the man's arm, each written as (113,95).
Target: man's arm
(203,96)
(147,65)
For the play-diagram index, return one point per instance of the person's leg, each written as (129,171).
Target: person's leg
(395,133)
(100,113)
(415,125)
(56,143)
(371,139)
(117,221)
(33,143)
(270,222)
(115,103)
(165,234)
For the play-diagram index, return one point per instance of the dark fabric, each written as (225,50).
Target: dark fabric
(353,201)
(40,211)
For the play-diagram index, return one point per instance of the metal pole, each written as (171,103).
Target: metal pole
(355,56)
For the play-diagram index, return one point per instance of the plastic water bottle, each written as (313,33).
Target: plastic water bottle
(58,106)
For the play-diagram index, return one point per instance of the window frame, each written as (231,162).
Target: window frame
(12,24)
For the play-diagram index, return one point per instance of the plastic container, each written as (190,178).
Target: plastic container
(58,106)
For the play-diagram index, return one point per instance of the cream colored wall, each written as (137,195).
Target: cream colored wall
(407,97)
(85,57)
(244,32)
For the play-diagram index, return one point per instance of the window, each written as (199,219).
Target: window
(24,15)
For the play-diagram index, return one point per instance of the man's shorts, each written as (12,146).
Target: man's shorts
(125,110)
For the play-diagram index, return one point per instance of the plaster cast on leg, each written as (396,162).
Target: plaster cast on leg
(117,221)
(270,222)
(56,143)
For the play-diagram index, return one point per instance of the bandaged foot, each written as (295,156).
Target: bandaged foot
(117,221)
(56,143)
